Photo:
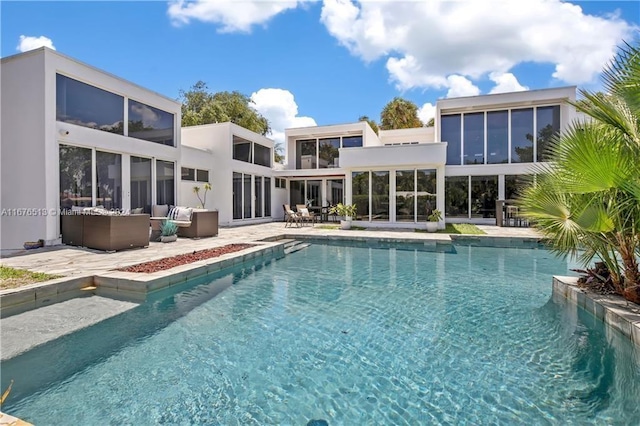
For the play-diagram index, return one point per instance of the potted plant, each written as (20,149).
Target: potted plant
(203,199)
(168,231)
(433,219)
(345,210)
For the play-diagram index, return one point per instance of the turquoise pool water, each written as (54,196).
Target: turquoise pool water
(350,335)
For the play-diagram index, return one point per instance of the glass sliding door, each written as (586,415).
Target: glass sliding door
(484,192)
(141,183)
(75,177)
(360,194)
(456,196)
(335,192)
(109,180)
(380,196)
(405,196)
(246,196)
(296,193)
(513,185)
(237,195)
(426,193)
(313,192)
(258,196)
(165,182)
(267,197)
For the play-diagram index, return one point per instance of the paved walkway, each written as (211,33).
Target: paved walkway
(74,261)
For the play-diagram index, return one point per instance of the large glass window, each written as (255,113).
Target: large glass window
(450,133)
(85,105)
(474,138)
(297,193)
(165,182)
(329,152)
(108,180)
(237,195)
(141,183)
(497,137)
(202,175)
(150,123)
(188,173)
(548,127)
(513,185)
(522,135)
(262,155)
(426,193)
(75,177)
(246,189)
(456,196)
(352,141)
(241,149)
(484,192)
(405,196)
(313,192)
(360,194)
(306,154)
(380,196)
(267,197)
(335,191)
(258,196)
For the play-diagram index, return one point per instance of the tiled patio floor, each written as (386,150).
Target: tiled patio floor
(74,261)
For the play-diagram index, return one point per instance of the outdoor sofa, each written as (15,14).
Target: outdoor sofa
(192,223)
(109,232)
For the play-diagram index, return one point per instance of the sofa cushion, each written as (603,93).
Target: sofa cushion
(160,210)
(182,223)
(183,214)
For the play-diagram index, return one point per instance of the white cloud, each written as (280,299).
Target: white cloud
(29,43)
(505,82)
(426,42)
(149,116)
(461,86)
(427,112)
(231,16)
(280,108)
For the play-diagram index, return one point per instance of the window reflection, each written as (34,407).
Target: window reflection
(484,192)
(380,196)
(426,193)
(360,194)
(141,183)
(84,105)
(329,152)
(456,196)
(451,134)
(108,180)
(306,154)
(405,195)
(150,123)
(165,182)
(75,177)
(522,135)
(474,138)
(241,149)
(497,137)
(548,127)
(262,155)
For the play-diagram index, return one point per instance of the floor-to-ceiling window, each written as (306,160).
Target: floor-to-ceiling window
(109,180)
(246,196)
(313,197)
(474,138)
(297,193)
(237,195)
(522,135)
(548,127)
(75,177)
(141,183)
(451,133)
(258,196)
(267,197)
(497,137)
(165,182)
(513,185)
(426,193)
(380,195)
(360,194)
(405,195)
(484,193)
(335,192)
(456,196)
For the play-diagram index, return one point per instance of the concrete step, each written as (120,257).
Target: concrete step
(295,246)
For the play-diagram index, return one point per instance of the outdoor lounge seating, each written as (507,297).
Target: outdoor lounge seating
(291,218)
(305,214)
(192,223)
(105,232)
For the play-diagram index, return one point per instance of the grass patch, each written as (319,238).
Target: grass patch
(13,278)
(328,226)
(458,228)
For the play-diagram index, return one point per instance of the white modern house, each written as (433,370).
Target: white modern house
(75,136)
(241,164)
(478,151)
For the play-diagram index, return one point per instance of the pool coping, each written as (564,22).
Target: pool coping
(135,286)
(614,310)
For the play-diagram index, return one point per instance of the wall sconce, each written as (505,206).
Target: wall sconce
(63,132)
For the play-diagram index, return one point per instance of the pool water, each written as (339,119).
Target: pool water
(349,335)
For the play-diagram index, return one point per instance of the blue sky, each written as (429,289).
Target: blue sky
(330,62)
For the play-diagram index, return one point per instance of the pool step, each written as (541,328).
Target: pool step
(294,246)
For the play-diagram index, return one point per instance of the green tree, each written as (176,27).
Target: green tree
(587,200)
(278,155)
(431,122)
(199,106)
(371,122)
(400,114)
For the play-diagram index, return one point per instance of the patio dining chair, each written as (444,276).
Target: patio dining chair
(291,218)
(305,214)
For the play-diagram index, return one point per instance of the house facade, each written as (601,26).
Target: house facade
(75,136)
(478,151)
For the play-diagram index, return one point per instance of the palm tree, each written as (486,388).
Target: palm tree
(587,200)
(400,114)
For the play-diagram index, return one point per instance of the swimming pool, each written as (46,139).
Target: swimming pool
(350,335)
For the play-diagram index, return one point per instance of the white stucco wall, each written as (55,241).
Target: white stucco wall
(419,134)
(201,159)
(33,136)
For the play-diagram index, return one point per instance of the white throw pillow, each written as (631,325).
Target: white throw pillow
(184,214)
(304,212)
